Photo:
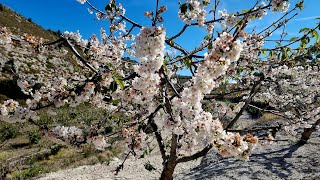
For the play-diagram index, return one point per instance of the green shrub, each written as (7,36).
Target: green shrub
(33,171)
(148,166)
(34,136)
(7,131)
(2,8)
(88,150)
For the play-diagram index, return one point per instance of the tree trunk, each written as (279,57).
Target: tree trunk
(306,135)
(168,170)
(170,164)
(307,132)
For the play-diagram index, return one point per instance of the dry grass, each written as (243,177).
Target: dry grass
(267,117)
(19,25)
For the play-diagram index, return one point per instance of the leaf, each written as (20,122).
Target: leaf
(165,62)
(183,8)
(171,43)
(191,7)
(188,62)
(108,7)
(300,5)
(207,37)
(258,74)
(303,43)
(294,38)
(115,102)
(304,30)
(245,10)
(205,3)
(315,34)
(239,69)
(119,81)
(284,53)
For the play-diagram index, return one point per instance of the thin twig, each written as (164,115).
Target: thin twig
(168,81)
(124,17)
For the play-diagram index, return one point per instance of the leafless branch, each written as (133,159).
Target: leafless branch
(252,93)
(197,155)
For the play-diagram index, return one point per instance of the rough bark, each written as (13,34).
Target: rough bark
(170,164)
(308,131)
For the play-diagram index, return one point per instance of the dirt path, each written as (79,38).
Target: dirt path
(281,160)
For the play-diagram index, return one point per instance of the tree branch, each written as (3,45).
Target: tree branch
(79,56)
(253,91)
(196,155)
(168,81)
(124,17)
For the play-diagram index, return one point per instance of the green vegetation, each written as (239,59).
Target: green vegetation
(7,131)
(33,171)
(36,152)
(34,136)
(84,115)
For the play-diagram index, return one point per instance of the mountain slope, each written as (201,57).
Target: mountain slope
(19,25)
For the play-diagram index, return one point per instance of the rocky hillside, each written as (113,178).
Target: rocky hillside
(22,58)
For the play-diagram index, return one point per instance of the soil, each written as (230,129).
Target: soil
(280,160)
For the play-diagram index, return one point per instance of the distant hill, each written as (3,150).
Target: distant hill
(19,25)
(24,60)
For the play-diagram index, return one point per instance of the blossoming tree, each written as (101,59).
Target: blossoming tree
(158,105)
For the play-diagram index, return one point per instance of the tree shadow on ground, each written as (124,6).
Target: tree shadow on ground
(278,163)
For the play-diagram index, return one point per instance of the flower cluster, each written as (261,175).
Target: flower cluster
(187,118)
(293,90)
(229,19)
(11,108)
(70,134)
(105,51)
(252,44)
(33,40)
(280,5)
(82,1)
(134,139)
(8,107)
(149,50)
(76,38)
(260,13)
(194,10)
(210,27)
(235,145)
(150,43)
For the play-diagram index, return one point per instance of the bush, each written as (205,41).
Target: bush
(33,171)
(34,136)
(88,150)
(2,8)
(7,131)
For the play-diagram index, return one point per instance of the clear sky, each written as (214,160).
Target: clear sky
(69,15)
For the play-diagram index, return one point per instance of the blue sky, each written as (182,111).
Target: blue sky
(69,15)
